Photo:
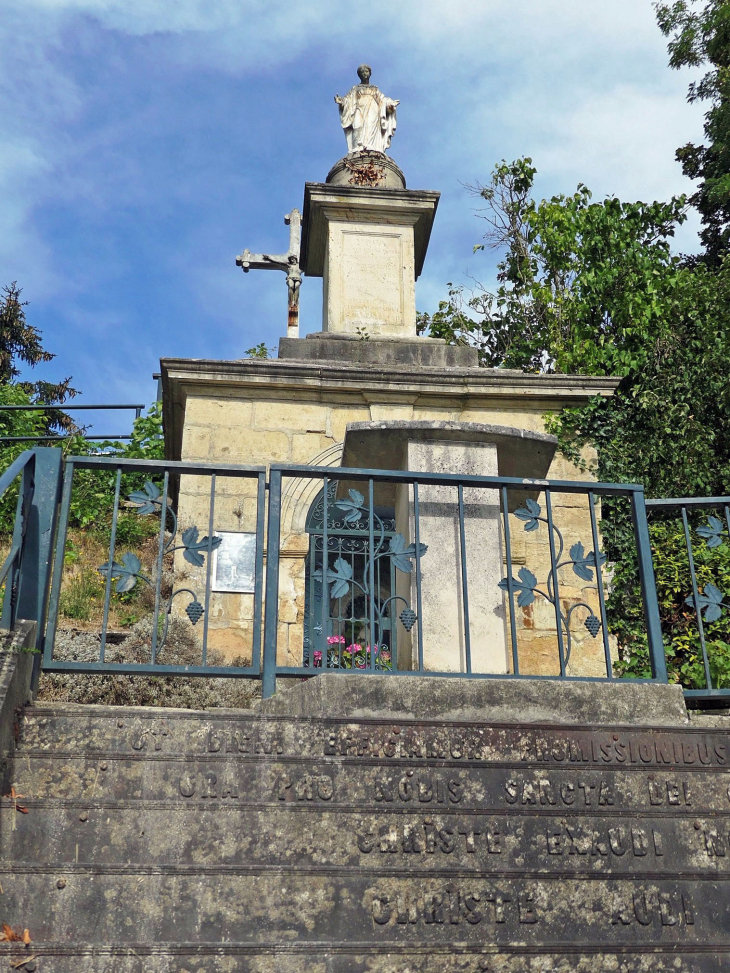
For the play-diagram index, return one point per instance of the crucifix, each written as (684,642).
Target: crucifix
(288,262)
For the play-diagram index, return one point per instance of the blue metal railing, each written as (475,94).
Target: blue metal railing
(703,534)
(151,497)
(338,579)
(405,573)
(68,408)
(26,569)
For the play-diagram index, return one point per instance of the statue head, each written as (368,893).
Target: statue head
(363,73)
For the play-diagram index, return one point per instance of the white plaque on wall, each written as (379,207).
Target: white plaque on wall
(234,563)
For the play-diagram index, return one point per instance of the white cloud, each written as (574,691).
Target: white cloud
(580,85)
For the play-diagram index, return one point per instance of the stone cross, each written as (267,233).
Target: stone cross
(288,262)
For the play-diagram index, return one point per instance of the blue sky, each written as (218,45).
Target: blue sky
(147,142)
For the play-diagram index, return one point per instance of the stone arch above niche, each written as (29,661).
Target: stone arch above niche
(299,493)
(383,445)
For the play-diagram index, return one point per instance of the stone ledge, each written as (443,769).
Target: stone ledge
(356,696)
(16,671)
(378,350)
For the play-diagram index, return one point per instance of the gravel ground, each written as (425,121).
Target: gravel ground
(182,647)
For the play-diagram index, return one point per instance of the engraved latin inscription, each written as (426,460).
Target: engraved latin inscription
(305,787)
(419,788)
(669,792)
(207,786)
(428,838)
(453,906)
(545,792)
(150,738)
(647,908)
(619,841)
(241,741)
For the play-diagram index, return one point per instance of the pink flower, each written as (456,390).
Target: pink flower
(317,658)
(336,640)
(354,648)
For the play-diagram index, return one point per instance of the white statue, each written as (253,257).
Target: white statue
(367,116)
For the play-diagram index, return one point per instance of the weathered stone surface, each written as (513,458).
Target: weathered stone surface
(163,840)
(383,444)
(16,669)
(349,171)
(483,700)
(448,645)
(391,957)
(379,350)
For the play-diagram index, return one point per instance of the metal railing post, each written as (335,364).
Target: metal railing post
(648,587)
(36,556)
(271,616)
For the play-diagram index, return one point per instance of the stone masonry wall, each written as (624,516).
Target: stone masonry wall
(295,430)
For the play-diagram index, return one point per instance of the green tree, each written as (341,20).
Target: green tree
(699,35)
(583,286)
(593,288)
(20,342)
(92,499)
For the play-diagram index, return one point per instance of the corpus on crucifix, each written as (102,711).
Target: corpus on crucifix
(288,262)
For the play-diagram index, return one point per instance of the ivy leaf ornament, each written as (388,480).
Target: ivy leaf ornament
(525,583)
(712,532)
(193,547)
(584,563)
(710,604)
(529,513)
(126,572)
(340,574)
(354,504)
(401,554)
(148,498)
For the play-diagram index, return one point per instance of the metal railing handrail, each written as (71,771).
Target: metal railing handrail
(164,465)
(271,516)
(454,479)
(47,407)
(62,407)
(696,502)
(16,467)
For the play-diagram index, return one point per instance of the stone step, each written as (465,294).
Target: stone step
(269,906)
(382,957)
(112,729)
(160,841)
(365,784)
(512,843)
(63,732)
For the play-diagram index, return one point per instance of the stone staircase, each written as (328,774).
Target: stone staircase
(146,840)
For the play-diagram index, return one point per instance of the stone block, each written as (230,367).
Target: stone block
(196,442)
(306,447)
(233,642)
(341,416)
(486,701)
(210,410)
(442,621)
(383,350)
(369,277)
(251,447)
(290,416)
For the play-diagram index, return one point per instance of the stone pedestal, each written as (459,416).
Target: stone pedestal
(444,607)
(368,244)
(455,448)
